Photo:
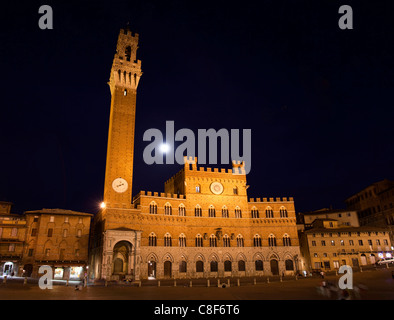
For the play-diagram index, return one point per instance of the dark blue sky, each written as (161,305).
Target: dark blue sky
(318,99)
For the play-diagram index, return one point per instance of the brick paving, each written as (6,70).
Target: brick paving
(379,283)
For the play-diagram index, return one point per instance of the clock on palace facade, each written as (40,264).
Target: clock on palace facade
(216,188)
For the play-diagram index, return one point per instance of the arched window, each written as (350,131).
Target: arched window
(227,266)
(199,240)
(272,240)
(153,208)
(254,212)
(213,241)
(240,241)
(182,266)
(286,240)
(226,241)
(241,265)
(283,212)
(152,240)
(198,211)
(235,190)
(182,240)
(198,188)
(224,212)
(167,240)
(167,209)
(211,211)
(289,265)
(182,210)
(256,241)
(199,266)
(238,212)
(214,266)
(269,213)
(259,265)
(128,53)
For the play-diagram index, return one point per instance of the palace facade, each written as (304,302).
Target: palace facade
(202,225)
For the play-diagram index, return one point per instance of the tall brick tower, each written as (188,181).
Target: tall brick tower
(123,82)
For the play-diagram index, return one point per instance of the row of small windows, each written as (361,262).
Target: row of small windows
(269,213)
(52,219)
(198,190)
(34,233)
(213,240)
(350,234)
(351,242)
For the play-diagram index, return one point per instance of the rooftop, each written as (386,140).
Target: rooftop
(58,211)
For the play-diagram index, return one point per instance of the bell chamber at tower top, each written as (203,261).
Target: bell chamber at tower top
(126,69)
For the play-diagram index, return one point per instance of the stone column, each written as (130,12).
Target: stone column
(137,255)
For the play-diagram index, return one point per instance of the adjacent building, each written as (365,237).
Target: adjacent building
(12,240)
(55,237)
(58,238)
(342,216)
(375,205)
(331,238)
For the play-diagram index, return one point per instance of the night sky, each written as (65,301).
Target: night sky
(318,99)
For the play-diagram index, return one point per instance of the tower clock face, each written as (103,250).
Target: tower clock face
(216,188)
(120,185)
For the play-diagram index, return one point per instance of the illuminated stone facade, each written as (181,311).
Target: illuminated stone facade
(55,237)
(375,205)
(58,238)
(12,237)
(203,225)
(328,245)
